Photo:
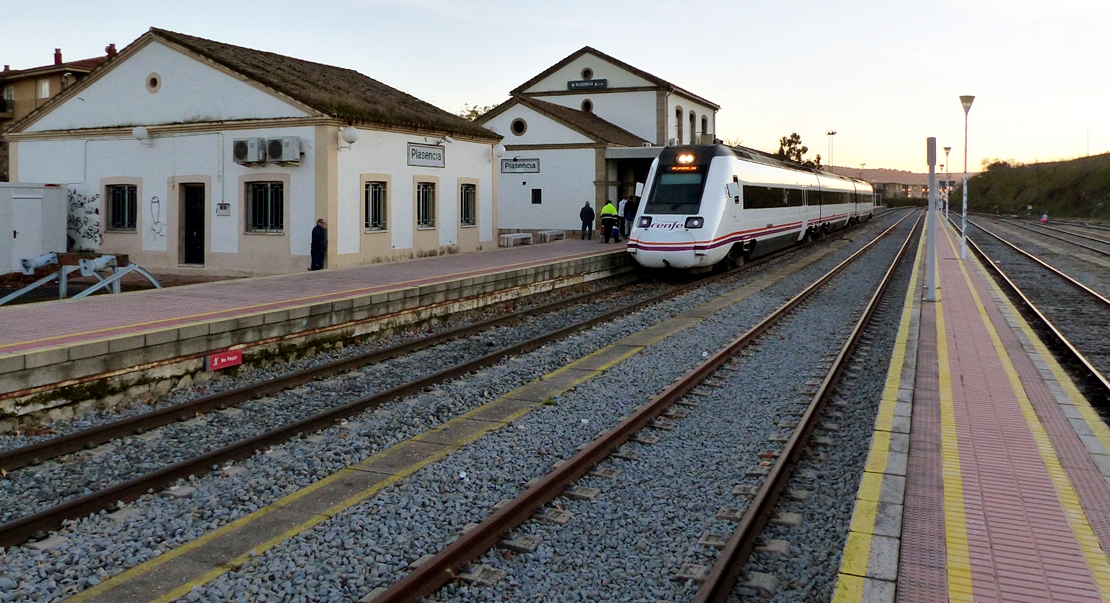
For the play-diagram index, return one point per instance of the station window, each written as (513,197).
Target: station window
(468,205)
(519,126)
(678,125)
(375,200)
(44,88)
(426,205)
(266,207)
(704,124)
(693,128)
(587,74)
(123,206)
(537,196)
(588,106)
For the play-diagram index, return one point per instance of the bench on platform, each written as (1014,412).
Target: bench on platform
(508,240)
(547,236)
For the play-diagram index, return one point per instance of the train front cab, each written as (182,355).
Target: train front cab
(675,226)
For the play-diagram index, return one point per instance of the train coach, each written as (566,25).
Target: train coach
(708,205)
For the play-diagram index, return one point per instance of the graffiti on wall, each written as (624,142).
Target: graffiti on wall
(83,224)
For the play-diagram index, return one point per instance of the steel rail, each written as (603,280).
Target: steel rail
(1098,378)
(1069,242)
(722,576)
(94,436)
(445,565)
(27,527)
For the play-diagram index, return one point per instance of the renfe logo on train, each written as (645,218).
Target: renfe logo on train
(224,360)
(426,155)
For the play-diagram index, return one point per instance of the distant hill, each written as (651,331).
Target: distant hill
(1079,188)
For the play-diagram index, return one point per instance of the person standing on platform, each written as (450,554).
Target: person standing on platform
(319,249)
(620,215)
(587,216)
(630,214)
(609,222)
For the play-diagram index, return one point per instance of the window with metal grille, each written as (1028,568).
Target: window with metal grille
(266,207)
(375,206)
(537,196)
(425,205)
(123,206)
(468,204)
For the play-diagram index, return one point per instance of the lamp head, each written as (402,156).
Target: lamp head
(140,133)
(498,150)
(349,134)
(966,102)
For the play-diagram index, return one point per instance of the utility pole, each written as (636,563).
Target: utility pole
(931,254)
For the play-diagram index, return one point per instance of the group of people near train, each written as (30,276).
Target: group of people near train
(616,220)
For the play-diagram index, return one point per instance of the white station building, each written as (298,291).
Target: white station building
(189,154)
(586,130)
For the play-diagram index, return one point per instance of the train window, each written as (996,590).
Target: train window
(794,197)
(764,197)
(676,193)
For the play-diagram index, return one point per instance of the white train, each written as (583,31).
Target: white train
(703,205)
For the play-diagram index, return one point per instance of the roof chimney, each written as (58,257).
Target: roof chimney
(111,50)
(57,56)
(7,67)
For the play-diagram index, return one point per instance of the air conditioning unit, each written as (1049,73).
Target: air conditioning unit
(249,150)
(672,142)
(286,149)
(647,144)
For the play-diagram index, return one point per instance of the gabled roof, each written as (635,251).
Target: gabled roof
(658,81)
(334,91)
(582,121)
(82,65)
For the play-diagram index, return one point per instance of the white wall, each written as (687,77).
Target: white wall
(633,111)
(603,70)
(674,100)
(541,129)
(567,180)
(378,152)
(190,91)
(81,164)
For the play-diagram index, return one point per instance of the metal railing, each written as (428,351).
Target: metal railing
(7,105)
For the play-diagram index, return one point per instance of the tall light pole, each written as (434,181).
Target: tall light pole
(947,181)
(930,253)
(966,102)
(830,134)
(861,166)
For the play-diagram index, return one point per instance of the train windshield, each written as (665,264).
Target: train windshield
(677,190)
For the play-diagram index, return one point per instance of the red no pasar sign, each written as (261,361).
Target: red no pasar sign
(224,360)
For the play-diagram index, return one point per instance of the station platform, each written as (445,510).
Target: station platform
(988,477)
(142,343)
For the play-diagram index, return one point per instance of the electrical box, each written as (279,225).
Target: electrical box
(32,222)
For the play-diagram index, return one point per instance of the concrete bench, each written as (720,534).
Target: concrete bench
(551,235)
(508,240)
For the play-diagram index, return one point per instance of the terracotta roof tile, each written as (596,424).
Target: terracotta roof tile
(335,91)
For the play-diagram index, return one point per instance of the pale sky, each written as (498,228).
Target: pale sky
(884,74)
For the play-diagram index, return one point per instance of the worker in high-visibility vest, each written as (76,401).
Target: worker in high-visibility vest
(609,222)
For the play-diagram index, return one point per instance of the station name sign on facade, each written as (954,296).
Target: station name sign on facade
(587,84)
(520,166)
(427,155)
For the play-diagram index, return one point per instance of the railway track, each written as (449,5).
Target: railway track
(457,557)
(1044,231)
(38,523)
(1073,314)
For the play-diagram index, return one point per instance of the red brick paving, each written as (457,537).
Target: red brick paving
(32,326)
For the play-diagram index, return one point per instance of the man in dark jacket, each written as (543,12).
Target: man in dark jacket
(587,217)
(319,247)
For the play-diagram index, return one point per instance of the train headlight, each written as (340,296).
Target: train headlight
(695,222)
(645,221)
(686,158)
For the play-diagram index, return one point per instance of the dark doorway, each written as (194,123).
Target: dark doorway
(194,224)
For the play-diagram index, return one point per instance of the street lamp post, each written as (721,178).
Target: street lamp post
(947,181)
(830,134)
(861,166)
(966,102)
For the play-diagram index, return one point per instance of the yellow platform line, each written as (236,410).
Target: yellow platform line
(659,332)
(854,561)
(1096,559)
